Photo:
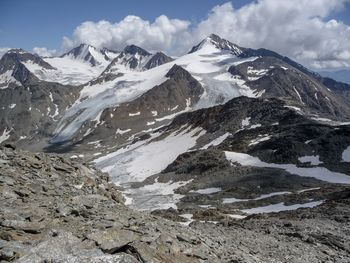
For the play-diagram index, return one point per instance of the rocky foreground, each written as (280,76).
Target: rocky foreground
(57,210)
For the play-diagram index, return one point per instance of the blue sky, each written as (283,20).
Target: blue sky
(313,32)
(27,24)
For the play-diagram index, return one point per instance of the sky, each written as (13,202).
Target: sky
(313,32)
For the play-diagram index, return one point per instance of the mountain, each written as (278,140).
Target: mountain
(136,58)
(91,54)
(222,126)
(76,67)
(228,141)
(338,75)
(218,43)
(29,107)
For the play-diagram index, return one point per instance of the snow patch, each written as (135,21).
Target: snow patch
(207,191)
(121,132)
(264,196)
(261,138)
(346,155)
(246,122)
(280,207)
(313,159)
(143,159)
(319,173)
(217,141)
(5,135)
(135,114)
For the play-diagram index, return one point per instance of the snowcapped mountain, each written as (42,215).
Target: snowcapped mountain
(75,67)
(219,43)
(91,55)
(223,69)
(138,59)
(175,124)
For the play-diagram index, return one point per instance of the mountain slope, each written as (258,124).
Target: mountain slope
(29,107)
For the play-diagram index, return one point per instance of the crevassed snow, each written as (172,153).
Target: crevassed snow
(319,173)
(141,160)
(67,71)
(346,155)
(5,135)
(207,191)
(280,207)
(313,159)
(217,141)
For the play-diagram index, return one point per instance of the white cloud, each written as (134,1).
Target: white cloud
(44,52)
(299,29)
(162,34)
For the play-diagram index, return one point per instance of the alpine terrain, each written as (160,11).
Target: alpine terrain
(223,154)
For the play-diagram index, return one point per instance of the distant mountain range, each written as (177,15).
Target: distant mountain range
(339,75)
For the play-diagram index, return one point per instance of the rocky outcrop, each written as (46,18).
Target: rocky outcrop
(57,210)
(54,209)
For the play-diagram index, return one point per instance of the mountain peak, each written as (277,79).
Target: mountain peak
(133,50)
(88,53)
(157,59)
(219,43)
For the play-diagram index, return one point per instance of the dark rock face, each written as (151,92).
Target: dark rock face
(276,79)
(31,112)
(30,107)
(339,88)
(157,59)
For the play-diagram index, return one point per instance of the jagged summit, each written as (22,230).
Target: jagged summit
(133,50)
(15,57)
(158,59)
(219,43)
(91,54)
